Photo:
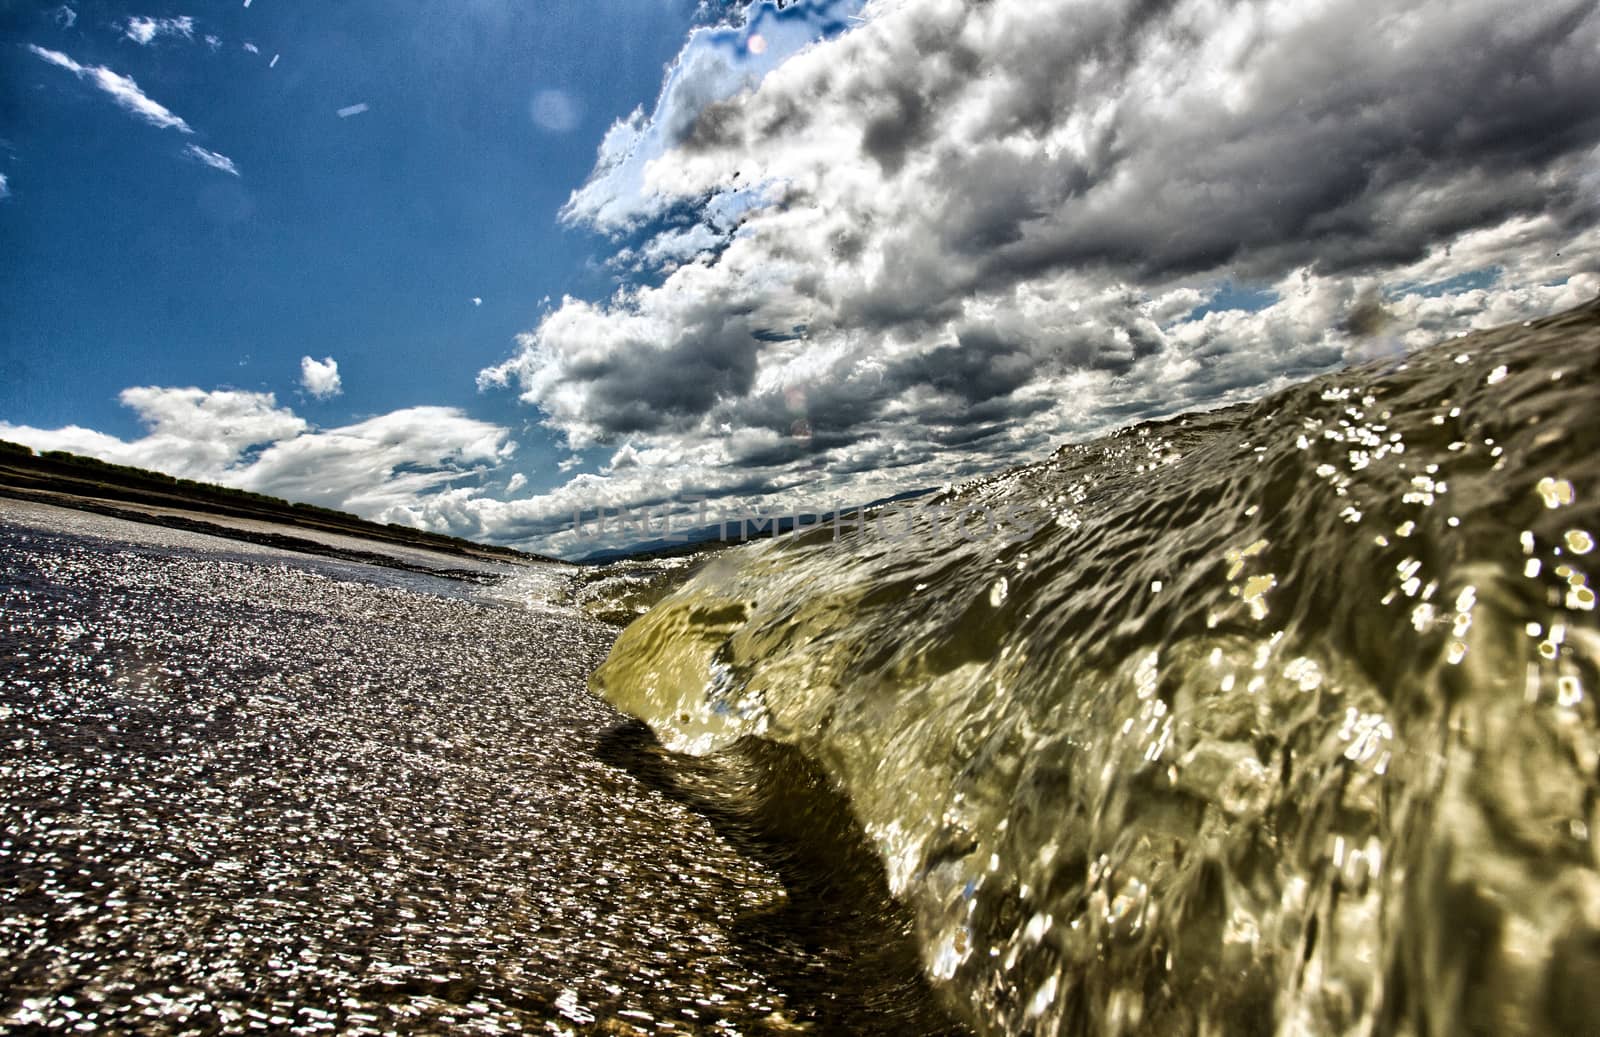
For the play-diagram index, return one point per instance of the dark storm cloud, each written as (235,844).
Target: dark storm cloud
(901,123)
(645,386)
(1353,148)
(978,368)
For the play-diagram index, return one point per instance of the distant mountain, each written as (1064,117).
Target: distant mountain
(685,541)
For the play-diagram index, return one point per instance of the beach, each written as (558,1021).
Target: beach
(254,790)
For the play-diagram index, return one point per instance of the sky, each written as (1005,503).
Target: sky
(475,265)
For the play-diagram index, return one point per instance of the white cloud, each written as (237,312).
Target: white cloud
(354,109)
(144,31)
(680,244)
(715,63)
(212,159)
(5,187)
(189,432)
(625,458)
(214,426)
(320,378)
(124,91)
(251,48)
(516,482)
(477,300)
(65,16)
(389,468)
(397,467)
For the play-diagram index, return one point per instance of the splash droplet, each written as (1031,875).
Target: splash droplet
(1556,492)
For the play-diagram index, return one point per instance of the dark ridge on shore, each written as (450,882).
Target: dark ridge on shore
(71,480)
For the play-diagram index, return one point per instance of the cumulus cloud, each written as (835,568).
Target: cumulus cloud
(389,468)
(680,244)
(124,91)
(320,378)
(715,63)
(386,468)
(958,232)
(188,432)
(145,31)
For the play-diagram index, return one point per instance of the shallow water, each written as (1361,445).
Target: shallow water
(247,790)
(1281,721)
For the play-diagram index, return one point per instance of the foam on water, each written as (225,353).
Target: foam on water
(1284,723)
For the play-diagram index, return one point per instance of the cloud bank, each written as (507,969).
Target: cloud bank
(957,233)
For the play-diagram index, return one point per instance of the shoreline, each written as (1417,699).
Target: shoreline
(312,802)
(186,516)
(70,480)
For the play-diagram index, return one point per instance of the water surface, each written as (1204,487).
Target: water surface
(1281,721)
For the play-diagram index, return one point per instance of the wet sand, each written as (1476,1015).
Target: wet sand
(249,789)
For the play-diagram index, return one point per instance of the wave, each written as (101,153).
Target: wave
(1283,722)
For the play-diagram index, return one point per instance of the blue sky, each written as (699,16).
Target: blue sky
(472,265)
(363,238)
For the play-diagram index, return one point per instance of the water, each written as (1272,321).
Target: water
(1283,724)
(248,790)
